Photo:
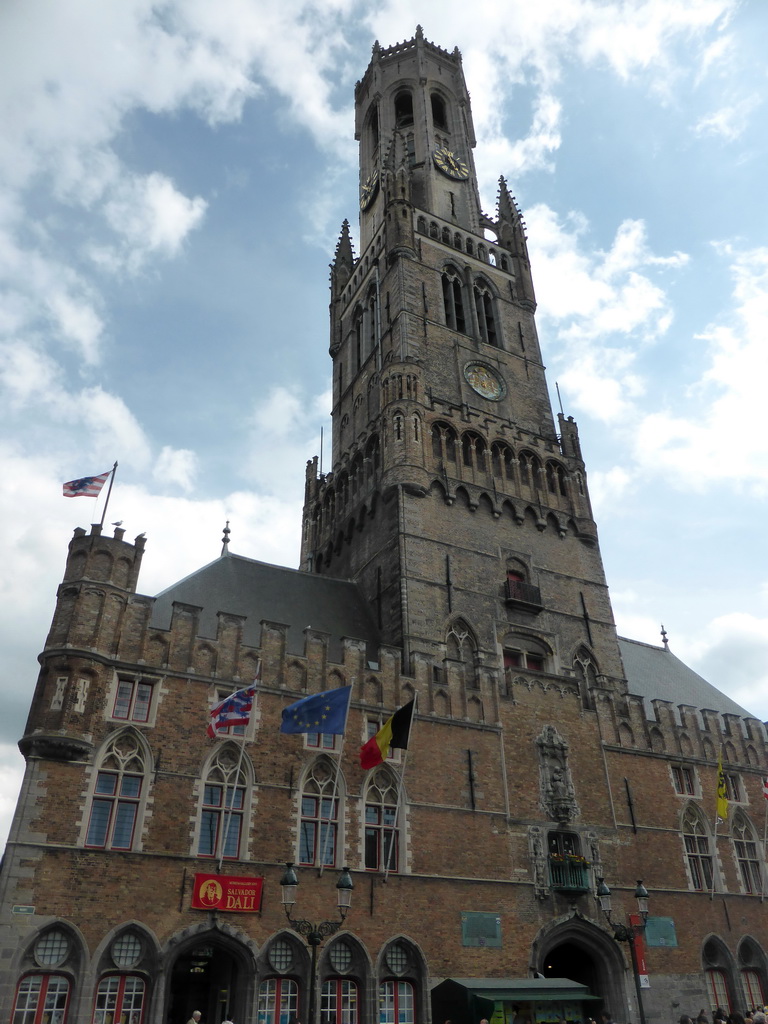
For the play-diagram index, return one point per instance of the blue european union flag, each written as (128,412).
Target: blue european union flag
(322,712)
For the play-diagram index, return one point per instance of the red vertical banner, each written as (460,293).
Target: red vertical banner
(636,923)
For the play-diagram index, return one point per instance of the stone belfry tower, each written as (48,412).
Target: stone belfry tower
(453,498)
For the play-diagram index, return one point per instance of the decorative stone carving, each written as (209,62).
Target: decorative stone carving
(538,857)
(558,797)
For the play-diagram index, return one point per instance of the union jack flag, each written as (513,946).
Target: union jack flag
(233,710)
(86,487)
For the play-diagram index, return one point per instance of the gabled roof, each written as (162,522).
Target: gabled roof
(256,590)
(656,673)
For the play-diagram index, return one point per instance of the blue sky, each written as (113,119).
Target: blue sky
(173,177)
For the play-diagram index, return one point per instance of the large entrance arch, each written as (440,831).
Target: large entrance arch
(212,973)
(577,949)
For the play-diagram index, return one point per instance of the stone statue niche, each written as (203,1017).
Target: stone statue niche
(558,797)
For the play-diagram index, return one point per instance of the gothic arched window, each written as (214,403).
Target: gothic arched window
(444,442)
(439,115)
(473,450)
(697,849)
(486,319)
(397,990)
(746,848)
(223,805)
(403,109)
(453,301)
(319,824)
(382,828)
(119,794)
(460,648)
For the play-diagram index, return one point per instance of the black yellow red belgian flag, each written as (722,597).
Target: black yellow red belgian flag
(394,733)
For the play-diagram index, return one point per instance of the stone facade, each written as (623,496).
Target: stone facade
(449,556)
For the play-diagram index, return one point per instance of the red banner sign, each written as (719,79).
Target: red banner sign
(636,922)
(227,892)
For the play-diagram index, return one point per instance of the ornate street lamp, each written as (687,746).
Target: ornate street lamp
(622,933)
(315,933)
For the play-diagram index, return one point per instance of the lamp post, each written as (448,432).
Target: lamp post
(622,933)
(315,933)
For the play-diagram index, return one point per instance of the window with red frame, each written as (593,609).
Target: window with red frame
(396,1003)
(718,989)
(41,999)
(339,1003)
(278,1001)
(753,987)
(119,997)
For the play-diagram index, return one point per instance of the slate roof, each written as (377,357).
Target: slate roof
(655,672)
(257,590)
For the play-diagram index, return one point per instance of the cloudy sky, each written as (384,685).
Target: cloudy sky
(173,176)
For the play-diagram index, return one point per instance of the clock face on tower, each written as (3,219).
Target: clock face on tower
(368,190)
(450,165)
(486,381)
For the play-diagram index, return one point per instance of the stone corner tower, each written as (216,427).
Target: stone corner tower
(454,499)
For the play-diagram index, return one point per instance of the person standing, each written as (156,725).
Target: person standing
(195,1018)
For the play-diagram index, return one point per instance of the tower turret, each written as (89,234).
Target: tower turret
(100,576)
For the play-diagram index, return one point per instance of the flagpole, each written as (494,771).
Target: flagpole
(400,789)
(720,795)
(324,841)
(228,810)
(109,491)
(765,843)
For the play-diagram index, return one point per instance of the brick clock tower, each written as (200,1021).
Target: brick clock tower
(453,499)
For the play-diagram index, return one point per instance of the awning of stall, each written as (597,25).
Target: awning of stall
(517,990)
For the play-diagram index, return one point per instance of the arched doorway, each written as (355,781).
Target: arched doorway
(576,948)
(209,975)
(570,960)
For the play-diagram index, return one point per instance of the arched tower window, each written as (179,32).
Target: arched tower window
(439,112)
(473,450)
(382,828)
(119,794)
(403,109)
(319,824)
(453,302)
(460,648)
(358,338)
(698,851)
(502,461)
(486,320)
(586,672)
(444,442)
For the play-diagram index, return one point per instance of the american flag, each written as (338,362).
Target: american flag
(233,710)
(86,487)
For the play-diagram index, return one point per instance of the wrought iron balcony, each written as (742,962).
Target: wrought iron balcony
(523,594)
(568,873)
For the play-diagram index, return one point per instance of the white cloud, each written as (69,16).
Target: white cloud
(152,217)
(176,466)
(699,449)
(733,649)
(730,121)
(604,306)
